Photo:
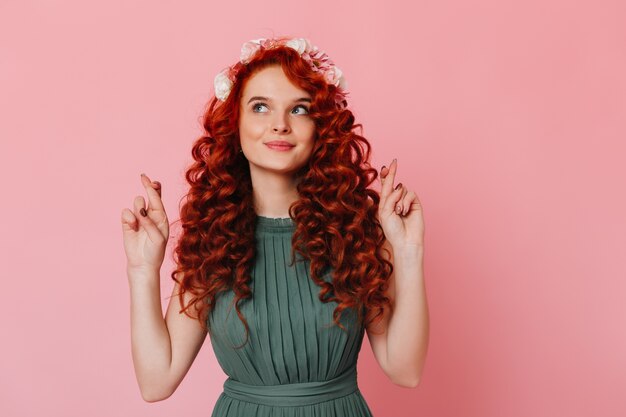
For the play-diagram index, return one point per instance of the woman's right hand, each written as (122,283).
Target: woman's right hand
(145,237)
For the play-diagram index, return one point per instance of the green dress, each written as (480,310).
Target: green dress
(296,361)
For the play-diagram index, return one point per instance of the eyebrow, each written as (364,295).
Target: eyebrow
(305,99)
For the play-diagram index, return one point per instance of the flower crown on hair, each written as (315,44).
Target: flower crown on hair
(318,60)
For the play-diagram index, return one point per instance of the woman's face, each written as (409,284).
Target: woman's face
(273,109)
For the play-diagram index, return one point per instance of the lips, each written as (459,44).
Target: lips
(281,143)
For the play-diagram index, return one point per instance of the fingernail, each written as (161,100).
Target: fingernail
(398,209)
(398,186)
(143,212)
(383,167)
(395,159)
(156,184)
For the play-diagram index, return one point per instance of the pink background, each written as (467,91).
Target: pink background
(507,118)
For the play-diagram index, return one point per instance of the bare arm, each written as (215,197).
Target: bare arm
(400,340)
(162,349)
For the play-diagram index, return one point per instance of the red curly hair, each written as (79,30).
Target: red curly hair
(337,226)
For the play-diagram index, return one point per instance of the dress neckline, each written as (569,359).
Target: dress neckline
(277,224)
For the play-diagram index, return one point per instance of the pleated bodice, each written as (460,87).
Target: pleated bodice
(296,361)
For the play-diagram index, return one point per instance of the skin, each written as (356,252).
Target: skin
(400,340)
(282,115)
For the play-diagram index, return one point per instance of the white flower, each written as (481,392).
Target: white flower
(248,50)
(299,44)
(222,85)
(343,84)
(335,76)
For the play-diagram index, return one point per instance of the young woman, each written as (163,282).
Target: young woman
(286,256)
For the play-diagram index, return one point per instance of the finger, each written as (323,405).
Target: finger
(400,205)
(154,234)
(150,186)
(157,187)
(392,199)
(129,221)
(154,194)
(409,201)
(383,172)
(388,186)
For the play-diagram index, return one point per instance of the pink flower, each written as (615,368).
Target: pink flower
(299,44)
(333,75)
(248,50)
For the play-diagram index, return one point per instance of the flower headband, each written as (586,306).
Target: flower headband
(318,60)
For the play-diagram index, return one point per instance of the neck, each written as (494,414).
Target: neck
(273,193)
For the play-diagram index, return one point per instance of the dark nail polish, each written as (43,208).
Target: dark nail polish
(143,212)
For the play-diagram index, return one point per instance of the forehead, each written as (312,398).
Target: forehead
(271,82)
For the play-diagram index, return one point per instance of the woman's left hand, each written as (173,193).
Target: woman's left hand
(399,211)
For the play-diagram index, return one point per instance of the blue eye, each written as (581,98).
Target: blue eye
(304,107)
(255,105)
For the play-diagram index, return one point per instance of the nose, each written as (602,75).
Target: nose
(280,124)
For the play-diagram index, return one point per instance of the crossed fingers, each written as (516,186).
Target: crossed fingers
(403,197)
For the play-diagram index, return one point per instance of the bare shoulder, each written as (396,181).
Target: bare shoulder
(186,334)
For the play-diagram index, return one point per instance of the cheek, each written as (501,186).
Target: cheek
(307,148)
(306,129)
(250,129)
